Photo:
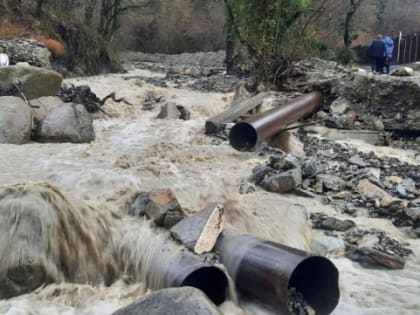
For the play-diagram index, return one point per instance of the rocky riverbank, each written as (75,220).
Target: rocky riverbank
(326,213)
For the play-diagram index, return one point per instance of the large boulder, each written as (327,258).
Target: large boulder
(173,301)
(23,49)
(15,120)
(43,105)
(67,123)
(34,82)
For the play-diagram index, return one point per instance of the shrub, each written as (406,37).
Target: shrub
(53,45)
(346,56)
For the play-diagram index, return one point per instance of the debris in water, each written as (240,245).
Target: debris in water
(297,304)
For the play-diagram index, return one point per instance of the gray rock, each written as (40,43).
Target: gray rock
(161,201)
(15,120)
(200,231)
(27,50)
(401,190)
(403,72)
(331,182)
(138,207)
(67,123)
(172,218)
(357,160)
(283,182)
(334,224)
(34,82)
(310,168)
(409,185)
(172,301)
(372,258)
(413,213)
(43,105)
(374,193)
(327,245)
(322,221)
(259,173)
(171,110)
(340,106)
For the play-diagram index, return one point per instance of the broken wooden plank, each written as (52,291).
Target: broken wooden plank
(200,231)
(214,124)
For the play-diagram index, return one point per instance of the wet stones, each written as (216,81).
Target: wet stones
(32,81)
(378,186)
(371,258)
(151,99)
(138,207)
(322,221)
(67,123)
(171,110)
(24,49)
(15,120)
(174,301)
(281,174)
(200,231)
(160,205)
(282,182)
(327,245)
(331,182)
(376,194)
(374,249)
(357,160)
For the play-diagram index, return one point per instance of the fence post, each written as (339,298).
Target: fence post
(399,48)
(410,59)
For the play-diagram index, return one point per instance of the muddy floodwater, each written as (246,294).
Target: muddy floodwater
(134,151)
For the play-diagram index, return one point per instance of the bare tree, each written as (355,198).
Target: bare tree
(348,36)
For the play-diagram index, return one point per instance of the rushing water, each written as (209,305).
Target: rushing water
(134,152)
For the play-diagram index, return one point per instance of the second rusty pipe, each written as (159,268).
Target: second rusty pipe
(245,135)
(266,272)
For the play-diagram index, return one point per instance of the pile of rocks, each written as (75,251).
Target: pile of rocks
(373,102)
(26,49)
(373,248)
(29,109)
(357,184)
(386,187)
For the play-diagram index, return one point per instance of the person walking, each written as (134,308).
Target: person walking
(389,47)
(377,51)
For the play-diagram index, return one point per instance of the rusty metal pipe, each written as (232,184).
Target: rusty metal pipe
(245,135)
(186,269)
(265,271)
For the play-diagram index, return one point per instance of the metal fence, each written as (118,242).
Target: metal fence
(407,48)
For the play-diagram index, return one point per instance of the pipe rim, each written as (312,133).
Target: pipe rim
(316,277)
(243,137)
(211,280)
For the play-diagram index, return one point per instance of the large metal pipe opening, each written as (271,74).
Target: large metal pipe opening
(265,271)
(187,269)
(245,135)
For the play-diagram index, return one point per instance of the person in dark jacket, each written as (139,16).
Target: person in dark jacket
(377,51)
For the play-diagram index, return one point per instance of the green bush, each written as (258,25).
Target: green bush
(346,56)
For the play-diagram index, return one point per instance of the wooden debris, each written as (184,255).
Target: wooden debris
(200,231)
